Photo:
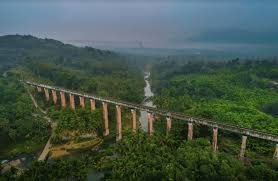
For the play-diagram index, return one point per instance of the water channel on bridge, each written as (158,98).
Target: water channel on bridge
(147,102)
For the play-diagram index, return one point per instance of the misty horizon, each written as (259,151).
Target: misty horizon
(140,24)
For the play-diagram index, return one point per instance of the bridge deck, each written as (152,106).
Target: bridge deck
(174,115)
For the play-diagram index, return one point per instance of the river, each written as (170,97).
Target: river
(147,102)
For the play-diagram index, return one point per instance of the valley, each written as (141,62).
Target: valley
(237,92)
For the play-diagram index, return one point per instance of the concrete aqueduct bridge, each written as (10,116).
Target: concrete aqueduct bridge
(151,111)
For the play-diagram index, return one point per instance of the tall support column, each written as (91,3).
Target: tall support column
(133,112)
(82,101)
(275,156)
(168,125)
(243,147)
(54,96)
(150,123)
(46,93)
(214,139)
(39,89)
(119,123)
(63,99)
(105,119)
(190,131)
(72,103)
(93,104)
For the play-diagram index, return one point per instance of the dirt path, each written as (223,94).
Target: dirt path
(45,151)
(47,147)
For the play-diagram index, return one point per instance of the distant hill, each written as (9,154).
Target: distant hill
(18,49)
(50,61)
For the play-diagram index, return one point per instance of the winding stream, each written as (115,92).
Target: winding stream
(147,102)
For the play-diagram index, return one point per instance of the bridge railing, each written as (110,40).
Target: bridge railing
(175,115)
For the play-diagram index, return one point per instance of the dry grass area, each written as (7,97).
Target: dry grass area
(62,150)
(76,133)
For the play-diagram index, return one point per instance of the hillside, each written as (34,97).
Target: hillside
(238,92)
(23,129)
(87,69)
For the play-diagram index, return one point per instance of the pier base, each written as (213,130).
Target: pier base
(150,124)
(105,119)
(168,125)
(133,112)
(54,96)
(243,147)
(119,123)
(93,104)
(214,139)
(190,131)
(72,102)
(63,99)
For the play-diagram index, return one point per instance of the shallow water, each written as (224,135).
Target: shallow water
(148,93)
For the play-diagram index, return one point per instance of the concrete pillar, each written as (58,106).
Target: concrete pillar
(119,123)
(93,104)
(168,125)
(54,96)
(214,139)
(46,93)
(275,156)
(150,123)
(243,147)
(39,89)
(63,99)
(82,101)
(190,131)
(72,103)
(105,119)
(133,112)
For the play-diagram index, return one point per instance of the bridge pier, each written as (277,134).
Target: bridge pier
(133,112)
(105,119)
(168,125)
(93,104)
(214,139)
(39,89)
(72,103)
(275,156)
(243,147)
(150,123)
(119,123)
(190,131)
(46,93)
(82,101)
(209,123)
(63,99)
(54,96)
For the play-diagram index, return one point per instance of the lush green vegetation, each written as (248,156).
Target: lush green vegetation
(22,129)
(243,93)
(140,157)
(87,69)
(72,124)
(49,61)
(236,92)
(60,170)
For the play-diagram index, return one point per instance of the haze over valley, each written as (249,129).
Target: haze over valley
(138,90)
(241,27)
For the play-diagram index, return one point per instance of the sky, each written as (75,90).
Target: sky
(151,24)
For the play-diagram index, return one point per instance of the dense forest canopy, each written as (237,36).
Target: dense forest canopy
(243,93)
(87,69)
(20,122)
(237,92)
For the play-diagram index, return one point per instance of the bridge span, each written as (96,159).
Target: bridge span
(151,111)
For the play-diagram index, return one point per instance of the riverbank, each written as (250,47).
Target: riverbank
(143,119)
